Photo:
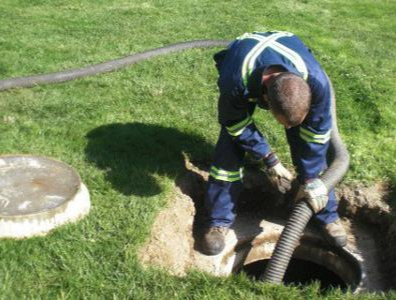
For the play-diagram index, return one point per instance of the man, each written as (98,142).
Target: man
(277,72)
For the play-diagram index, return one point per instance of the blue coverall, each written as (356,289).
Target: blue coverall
(240,68)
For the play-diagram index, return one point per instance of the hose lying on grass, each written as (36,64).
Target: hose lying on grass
(62,76)
(302,212)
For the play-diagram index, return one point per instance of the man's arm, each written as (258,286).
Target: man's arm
(235,116)
(309,144)
(238,122)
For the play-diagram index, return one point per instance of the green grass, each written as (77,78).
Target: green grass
(126,132)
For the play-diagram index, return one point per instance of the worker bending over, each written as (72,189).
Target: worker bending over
(277,72)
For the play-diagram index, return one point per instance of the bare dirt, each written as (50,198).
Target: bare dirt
(174,241)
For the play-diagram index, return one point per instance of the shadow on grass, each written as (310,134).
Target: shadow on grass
(133,154)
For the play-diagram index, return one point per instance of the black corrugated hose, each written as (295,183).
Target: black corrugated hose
(57,77)
(302,212)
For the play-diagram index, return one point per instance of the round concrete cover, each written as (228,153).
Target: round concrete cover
(38,192)
(31,184)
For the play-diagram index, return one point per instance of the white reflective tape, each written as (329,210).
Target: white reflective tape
(293,56)
(312,137)
(251,57)
(229,176)
(238,128)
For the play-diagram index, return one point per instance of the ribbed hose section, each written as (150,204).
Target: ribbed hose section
(287,242)
(62,76)
(339,155)
(301,214)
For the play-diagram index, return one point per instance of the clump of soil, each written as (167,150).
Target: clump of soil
(367,205)
(174,241)
(173,238)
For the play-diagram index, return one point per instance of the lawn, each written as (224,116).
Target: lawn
(126,132)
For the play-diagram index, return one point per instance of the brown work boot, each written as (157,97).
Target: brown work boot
(335,234)
(213,240)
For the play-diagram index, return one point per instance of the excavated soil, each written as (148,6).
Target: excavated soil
(174,241)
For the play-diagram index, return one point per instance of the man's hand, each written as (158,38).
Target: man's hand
(280,177)
(315,193)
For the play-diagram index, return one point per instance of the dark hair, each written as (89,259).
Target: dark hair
(290,96)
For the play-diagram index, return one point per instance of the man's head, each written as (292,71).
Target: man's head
(289,97)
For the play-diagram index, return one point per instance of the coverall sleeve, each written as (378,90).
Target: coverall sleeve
(309,142)
(235,114)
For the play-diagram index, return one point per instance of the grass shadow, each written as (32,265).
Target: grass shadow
(134,154)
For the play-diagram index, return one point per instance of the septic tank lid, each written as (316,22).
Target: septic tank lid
(38,194)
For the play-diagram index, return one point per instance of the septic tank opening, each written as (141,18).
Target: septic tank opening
(369,264)
(299,272)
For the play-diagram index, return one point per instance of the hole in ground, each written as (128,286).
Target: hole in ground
(299,272)
(370,224)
